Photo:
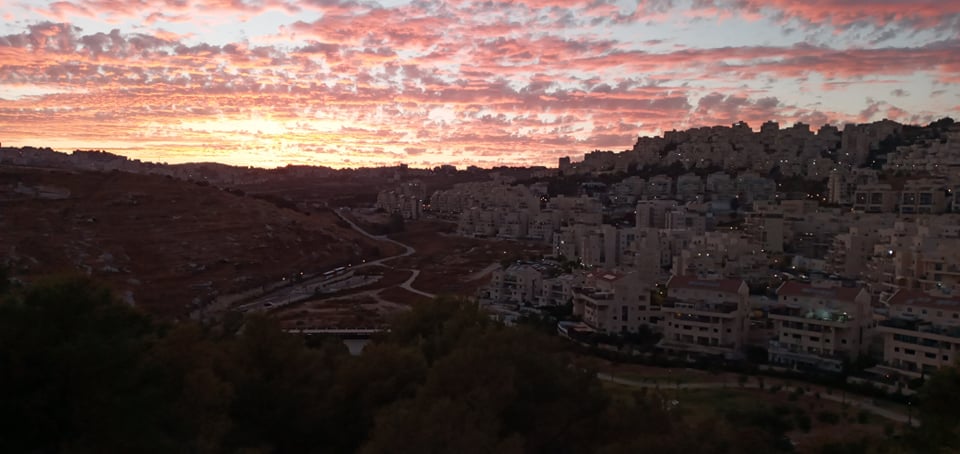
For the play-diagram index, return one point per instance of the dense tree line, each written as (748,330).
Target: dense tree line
(80,372)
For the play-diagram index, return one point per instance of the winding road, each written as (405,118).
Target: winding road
(407,251)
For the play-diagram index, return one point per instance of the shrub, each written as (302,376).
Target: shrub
(802,419)
(828,417)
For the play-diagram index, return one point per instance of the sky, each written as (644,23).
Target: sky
(346,83)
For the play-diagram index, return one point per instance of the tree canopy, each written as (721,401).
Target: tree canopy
(80,372)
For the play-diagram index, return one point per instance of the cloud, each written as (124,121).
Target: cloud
(514,82)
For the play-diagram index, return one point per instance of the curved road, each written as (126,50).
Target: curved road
(298,291)
(408,250)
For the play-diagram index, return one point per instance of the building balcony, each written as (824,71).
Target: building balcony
(819,316)
(784,349)
(918,328)
(713,309)
(594,297)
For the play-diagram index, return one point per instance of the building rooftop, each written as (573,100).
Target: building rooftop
(695,283)
(915,298)
(799,289)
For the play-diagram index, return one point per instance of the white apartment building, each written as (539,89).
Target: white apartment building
(611,302)
(850,252)
(721,254)
(767,229)
(557,291)
(653,213)
(875,198)
(923,254)
(923,197)
(576,210)
(406,199)
(818,327)
(686,219)
(660,187)
(705,317)
(751,186)
(689,187)
(720,185)
(842,183)
(922,333)
(530,284)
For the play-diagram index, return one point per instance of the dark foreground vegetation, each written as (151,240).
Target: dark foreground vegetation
(82,373)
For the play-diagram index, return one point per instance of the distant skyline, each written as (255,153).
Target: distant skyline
(355,83)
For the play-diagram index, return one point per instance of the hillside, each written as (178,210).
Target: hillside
(161,243)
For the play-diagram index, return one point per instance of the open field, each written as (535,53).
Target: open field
(446,264)
(449,263)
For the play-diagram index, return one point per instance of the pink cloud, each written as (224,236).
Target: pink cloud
(502,85)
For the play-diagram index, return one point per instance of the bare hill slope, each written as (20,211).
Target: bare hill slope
(161,243)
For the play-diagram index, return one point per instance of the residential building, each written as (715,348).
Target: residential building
(612,302)
(922,333)
(705,317)
(875,198)
(923,197)
(653,213)
(819,327)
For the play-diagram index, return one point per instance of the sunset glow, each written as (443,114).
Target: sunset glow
(346,83)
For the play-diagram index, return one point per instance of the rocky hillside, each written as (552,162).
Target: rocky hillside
(161,243)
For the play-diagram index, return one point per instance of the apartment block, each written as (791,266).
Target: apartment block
(923,197)
(653,213)
(705,317)
(612,302)
(518,284)
(922,333)
(875,198)
(819,327)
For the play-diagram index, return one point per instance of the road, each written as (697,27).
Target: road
(407,250)
(855,402)
(302,290)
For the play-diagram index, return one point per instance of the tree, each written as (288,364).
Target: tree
(281,398)
(382,375)
(939,399)
(4,280)
(73,373)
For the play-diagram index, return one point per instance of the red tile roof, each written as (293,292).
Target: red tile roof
(794,288)
(917,298)
(695,283)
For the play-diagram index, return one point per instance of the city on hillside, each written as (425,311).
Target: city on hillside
(828,257)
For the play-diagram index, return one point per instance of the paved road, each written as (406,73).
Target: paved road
(408,250)
(855,402)
(299,291)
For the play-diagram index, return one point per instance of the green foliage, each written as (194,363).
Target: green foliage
(939,400)
(73,374)
(80,372)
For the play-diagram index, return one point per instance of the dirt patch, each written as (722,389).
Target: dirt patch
(402,296)
(448,263)
(359,311)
